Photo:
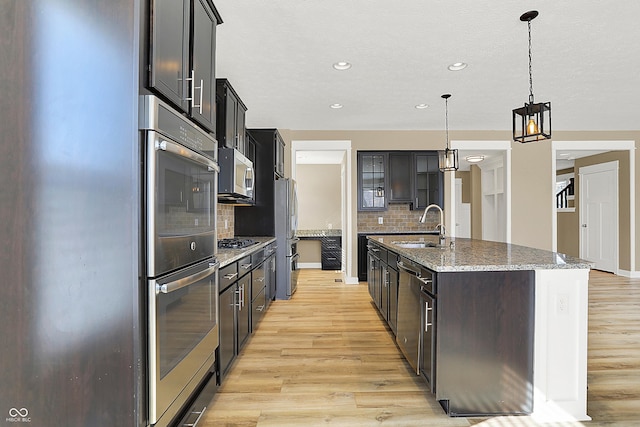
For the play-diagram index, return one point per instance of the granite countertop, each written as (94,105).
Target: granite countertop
(302,234)
(478,255)
(227,256)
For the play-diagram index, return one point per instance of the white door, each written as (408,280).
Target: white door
(599,215)
(463,213)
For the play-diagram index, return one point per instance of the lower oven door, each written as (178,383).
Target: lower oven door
(183,336)
(181,205)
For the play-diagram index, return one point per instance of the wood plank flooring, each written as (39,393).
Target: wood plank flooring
(326,358)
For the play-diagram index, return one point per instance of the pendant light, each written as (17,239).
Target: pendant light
(533,121)
(447,159)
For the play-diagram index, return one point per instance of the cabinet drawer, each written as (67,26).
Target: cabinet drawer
(257,257)
(331,260)
(244,266)
(227,275)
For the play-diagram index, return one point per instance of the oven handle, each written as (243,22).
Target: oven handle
(186,281)
(179,150)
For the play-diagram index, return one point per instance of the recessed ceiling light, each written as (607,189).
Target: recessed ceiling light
(422,106)
(342,65)
(335,106)
(458,66)
(474,158)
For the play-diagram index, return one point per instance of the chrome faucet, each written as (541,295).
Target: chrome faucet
(423,218)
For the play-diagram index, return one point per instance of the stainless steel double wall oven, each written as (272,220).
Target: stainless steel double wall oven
(181,178)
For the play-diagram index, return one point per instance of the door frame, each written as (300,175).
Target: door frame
(349,267)
(601,167)
(497,146)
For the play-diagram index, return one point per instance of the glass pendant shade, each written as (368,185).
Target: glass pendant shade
(532,122)
(448,160)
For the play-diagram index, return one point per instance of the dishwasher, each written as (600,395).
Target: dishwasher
(415,280)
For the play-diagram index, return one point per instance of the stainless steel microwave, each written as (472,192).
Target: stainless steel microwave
(236,178)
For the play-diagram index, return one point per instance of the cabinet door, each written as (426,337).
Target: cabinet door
(231,108)
(372,181)
(170,22)
(244,310)
(226,349)
(279,160)
(240,127)
(392,317)
(203,89)
(400,177)
(429,181)
(384,290)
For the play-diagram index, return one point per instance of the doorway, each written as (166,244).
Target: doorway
(606,150)
(599,228)
(335,153)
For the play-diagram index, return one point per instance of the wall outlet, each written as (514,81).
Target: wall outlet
(562,304)
(380,220)
(329,226)
(226,224)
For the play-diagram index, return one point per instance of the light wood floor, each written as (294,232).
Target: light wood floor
(326,358)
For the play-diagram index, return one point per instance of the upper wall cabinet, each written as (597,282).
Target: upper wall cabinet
(182,56)
(372,181)
(399,177)
(230,124)
(428,180)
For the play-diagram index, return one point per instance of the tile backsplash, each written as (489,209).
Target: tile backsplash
(397,218)
(226,217)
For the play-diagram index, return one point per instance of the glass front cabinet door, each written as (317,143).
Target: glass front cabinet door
(372,177)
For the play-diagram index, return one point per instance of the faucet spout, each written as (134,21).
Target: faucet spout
(440,225)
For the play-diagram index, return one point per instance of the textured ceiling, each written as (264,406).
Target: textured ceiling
(278,55)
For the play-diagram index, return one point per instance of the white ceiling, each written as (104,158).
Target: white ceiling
(278,55)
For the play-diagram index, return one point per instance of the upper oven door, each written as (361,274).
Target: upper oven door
(181,205)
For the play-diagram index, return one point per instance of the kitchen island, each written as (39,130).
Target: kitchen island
(508,325)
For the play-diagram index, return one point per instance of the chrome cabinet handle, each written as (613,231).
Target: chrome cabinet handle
(246,266)
(192,79)
(426,316)
(230,276)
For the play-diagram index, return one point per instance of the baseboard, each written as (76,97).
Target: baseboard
(309,265)
(351,280)
(629,274)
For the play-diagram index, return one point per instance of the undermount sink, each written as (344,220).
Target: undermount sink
(413,245)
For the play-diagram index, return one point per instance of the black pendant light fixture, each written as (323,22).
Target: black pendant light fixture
(533,121)
(447,159)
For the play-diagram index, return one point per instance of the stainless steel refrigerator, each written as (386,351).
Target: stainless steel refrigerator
(286,224)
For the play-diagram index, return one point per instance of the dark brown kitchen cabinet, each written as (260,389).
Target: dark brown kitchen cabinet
(231,129)
(398,177)
(273,144)
(372,181)
(429,181)
(331,252)
(182,56)
(401,177)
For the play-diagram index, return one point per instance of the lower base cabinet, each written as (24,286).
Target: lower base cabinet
(245,292)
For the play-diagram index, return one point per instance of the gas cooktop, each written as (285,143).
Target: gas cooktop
(235,243)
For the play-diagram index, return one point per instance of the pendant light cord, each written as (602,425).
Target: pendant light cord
(530,72)
(446,119)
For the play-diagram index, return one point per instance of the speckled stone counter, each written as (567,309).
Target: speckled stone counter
(314,234)
(227,256)
(477,255)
